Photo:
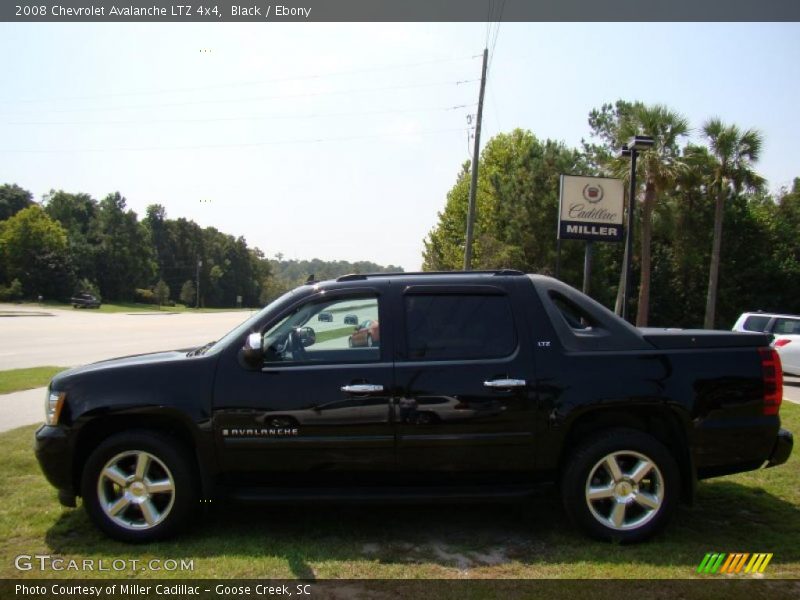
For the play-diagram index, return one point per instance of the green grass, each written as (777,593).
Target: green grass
(15,380)
(352,307)
(332,334)
(749,512)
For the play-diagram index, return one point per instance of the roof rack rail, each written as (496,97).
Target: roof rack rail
(513,272)
(362,276)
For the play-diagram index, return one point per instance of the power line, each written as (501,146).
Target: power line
(488,24)
(244,83)
(496,35)
(250,117)
(240,145)
(261,98)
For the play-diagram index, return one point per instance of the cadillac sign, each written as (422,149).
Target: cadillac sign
(590,208)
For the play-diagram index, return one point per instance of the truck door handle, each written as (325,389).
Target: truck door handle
(362,388)
(505,383)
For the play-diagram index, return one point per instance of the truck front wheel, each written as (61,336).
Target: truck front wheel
(138,486)
(622,485)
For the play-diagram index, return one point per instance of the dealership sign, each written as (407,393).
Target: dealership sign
(590,208)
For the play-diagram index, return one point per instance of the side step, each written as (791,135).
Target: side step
(382,494)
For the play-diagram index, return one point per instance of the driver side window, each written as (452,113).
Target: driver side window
(343,330)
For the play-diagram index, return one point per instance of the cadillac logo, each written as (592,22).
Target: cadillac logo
(593,193)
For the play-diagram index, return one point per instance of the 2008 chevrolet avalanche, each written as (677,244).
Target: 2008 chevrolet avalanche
(476,384)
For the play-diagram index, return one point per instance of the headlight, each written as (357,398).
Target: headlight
(52,406)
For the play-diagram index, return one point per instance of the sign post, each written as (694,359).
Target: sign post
(590,208)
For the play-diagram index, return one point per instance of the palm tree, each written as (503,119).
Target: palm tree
(735,152)
(658,168)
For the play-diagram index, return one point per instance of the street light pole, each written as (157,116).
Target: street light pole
(636,144)
(629,235)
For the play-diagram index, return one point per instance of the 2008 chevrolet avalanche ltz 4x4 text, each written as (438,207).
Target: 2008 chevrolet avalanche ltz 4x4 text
(477,384)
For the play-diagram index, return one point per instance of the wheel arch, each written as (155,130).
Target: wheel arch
(667,425)
(165,422)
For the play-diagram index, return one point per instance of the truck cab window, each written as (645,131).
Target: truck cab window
(448,327)
(577,318)
(316,332)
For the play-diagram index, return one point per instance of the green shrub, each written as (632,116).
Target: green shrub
(188,293)
(11,292)
(161,292)
(145,296)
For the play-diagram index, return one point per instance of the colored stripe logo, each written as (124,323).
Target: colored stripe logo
(737,562)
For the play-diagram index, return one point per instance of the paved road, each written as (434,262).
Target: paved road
(70,337)
(791,389)
(21,408)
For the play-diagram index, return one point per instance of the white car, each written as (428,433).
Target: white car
(788,347)
(786,332)
(775,324)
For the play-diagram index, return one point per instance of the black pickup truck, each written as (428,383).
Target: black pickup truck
(476,385)
(84,300)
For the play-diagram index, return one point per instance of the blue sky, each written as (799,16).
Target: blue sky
(340,141)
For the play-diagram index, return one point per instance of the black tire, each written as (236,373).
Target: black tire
(166,461)
(647,504)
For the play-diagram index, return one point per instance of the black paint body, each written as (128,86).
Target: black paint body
(281,431)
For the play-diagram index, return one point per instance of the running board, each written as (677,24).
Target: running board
(381,494)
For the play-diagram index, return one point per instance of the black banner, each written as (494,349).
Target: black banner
(401,11)
(507,589)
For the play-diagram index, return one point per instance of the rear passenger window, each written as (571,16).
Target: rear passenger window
(442,327)
(755,323)
(786,326)
(577,318)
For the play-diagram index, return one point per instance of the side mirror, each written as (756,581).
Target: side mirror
(252,353)
(308,337)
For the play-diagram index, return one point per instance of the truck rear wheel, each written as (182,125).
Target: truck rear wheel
(138,486)
(622,485)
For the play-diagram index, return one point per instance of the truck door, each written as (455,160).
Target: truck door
(464,373)
(319,405)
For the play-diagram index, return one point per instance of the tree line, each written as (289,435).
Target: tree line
(71,242)
(711,241)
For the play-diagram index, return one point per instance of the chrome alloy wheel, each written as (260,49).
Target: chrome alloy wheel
(136,490)
(624,490)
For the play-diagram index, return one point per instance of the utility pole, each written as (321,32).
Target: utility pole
(473,186)
(199,264)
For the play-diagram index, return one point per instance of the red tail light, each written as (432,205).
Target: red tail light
(772,375)
(779,343)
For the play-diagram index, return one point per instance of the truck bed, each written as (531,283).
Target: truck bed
(674,339)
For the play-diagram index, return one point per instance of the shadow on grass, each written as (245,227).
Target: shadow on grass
(727,517)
